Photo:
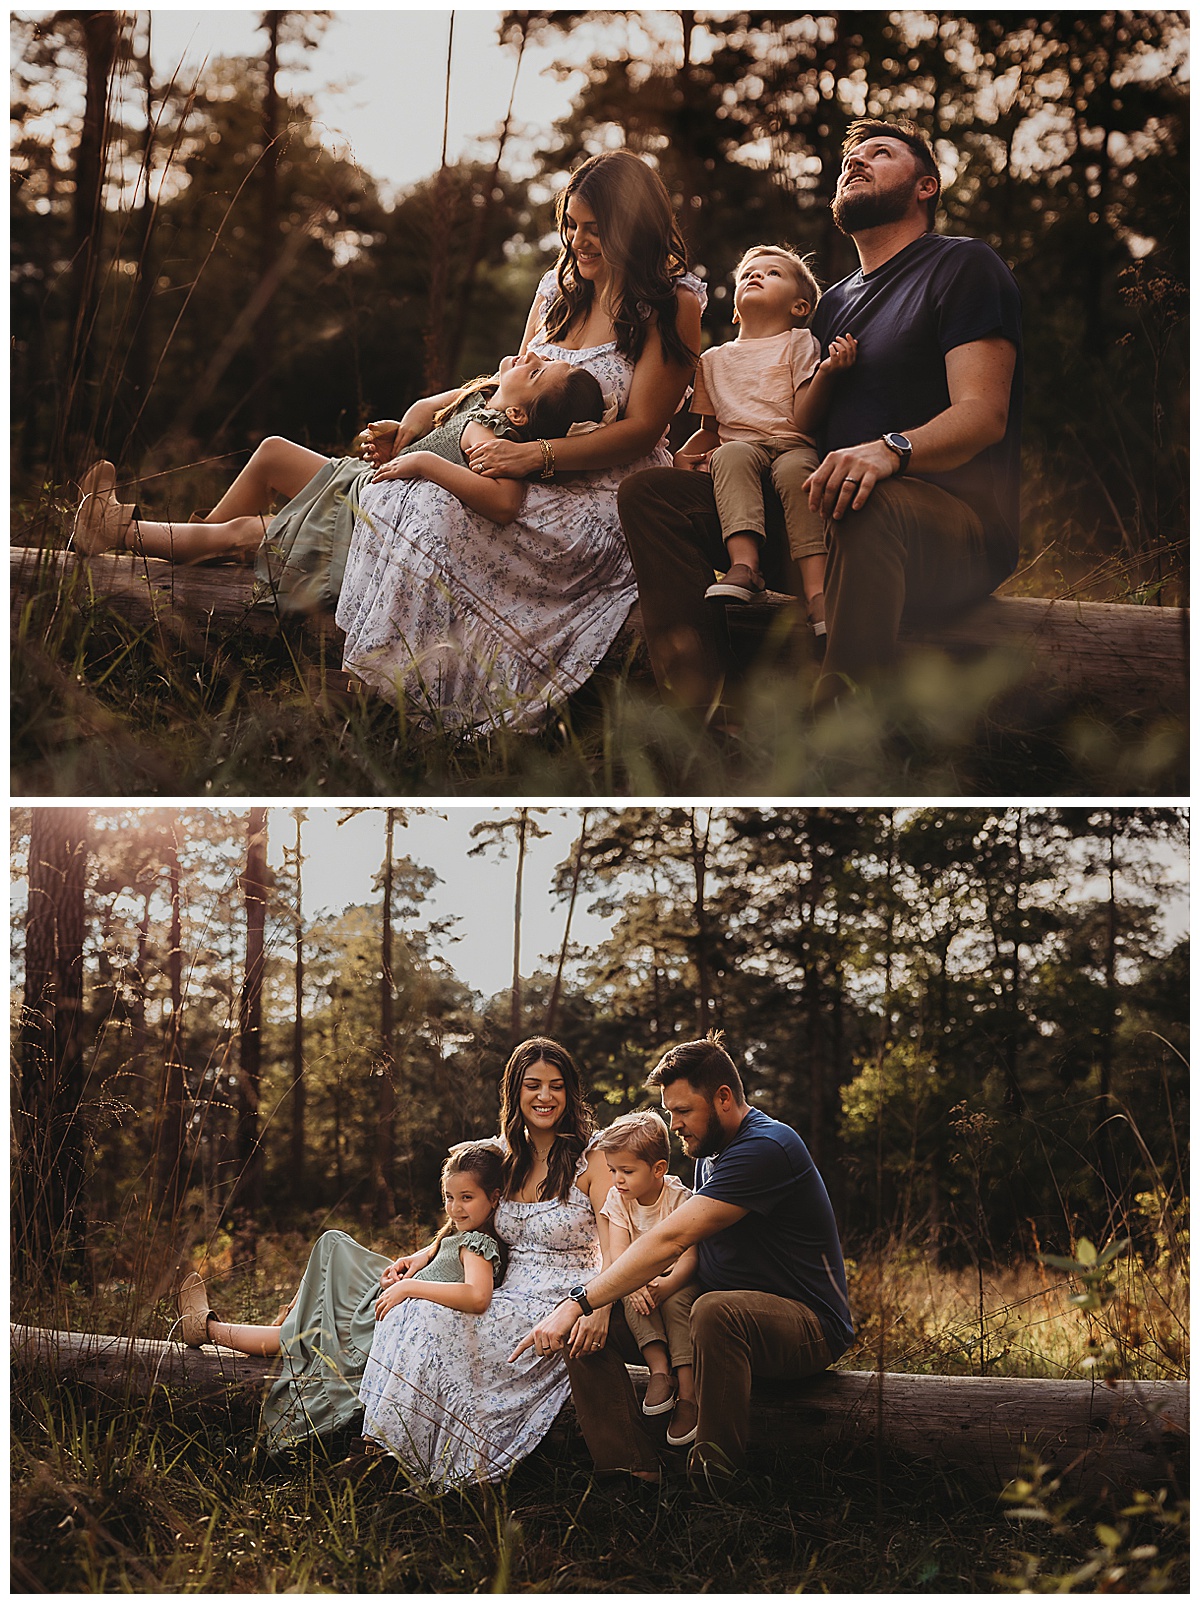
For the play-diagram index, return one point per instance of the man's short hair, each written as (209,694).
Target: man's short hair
(703,1064)
(645,1135)
(908,134)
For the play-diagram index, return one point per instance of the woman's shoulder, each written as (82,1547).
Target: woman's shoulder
(689,284)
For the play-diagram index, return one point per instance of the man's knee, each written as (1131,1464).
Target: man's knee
(641,491)
(714,1320)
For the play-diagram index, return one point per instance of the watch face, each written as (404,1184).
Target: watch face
(899,442)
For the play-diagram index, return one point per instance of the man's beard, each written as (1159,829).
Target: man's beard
(856,210)
(713,1140)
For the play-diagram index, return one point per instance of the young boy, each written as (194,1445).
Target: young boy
(760,399)
(638,1148)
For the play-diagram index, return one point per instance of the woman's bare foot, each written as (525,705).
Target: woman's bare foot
(101,523)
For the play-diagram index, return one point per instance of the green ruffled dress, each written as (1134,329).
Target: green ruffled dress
(302,560)
(325,1340)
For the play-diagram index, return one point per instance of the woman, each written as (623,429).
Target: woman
(473,626)
(438,1389)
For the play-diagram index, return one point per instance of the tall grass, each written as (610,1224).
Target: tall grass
(103,707)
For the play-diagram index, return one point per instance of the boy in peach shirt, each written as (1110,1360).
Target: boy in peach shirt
(760,399)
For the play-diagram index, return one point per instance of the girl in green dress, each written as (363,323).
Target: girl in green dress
(326,1335)
(300,553)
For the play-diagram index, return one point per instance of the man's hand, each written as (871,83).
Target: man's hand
(845,479)
(550,1335)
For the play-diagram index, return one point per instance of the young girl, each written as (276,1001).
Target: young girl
(302,559)
(761,398)
(326,1335)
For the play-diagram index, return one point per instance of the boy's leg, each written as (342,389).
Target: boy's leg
(805,529)
(735,1336)
(737,469)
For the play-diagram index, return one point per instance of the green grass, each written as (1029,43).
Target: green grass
(101,707)
(111,1499)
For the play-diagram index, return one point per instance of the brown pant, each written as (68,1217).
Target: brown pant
(735,1336)
(914,551)
(670,1324)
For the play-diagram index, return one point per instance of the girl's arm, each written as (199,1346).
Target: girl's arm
(497,499)
(471,1296)
(812,399)
(655,392)
(407,1265)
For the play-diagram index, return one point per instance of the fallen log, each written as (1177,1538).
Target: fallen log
(1124,1434)
(1132,661)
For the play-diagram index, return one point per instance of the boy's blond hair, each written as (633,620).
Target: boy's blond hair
(806,283)
(644,1135)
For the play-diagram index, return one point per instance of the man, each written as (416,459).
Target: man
(920,478)
(770,1262)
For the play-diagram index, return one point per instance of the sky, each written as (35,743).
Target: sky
(379,76)
(340,861)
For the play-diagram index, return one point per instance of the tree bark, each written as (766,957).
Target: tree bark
(299,1089)
(385,1134)
(50,1227)
(247,1188)
(171,1140)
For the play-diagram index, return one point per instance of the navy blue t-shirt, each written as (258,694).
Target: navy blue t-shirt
(939,292)
(788,1242)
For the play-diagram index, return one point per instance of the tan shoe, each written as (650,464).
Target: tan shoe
(684,1420)
(660,1395)
(101,523)
(194,1311)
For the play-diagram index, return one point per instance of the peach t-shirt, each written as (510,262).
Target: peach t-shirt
(750,386)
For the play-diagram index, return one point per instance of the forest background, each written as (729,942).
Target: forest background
(975,1017)
(194,269)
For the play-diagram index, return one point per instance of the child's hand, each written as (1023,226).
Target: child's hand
(411,466)
(842,353)
(641,1300)
(694,462)
(389,1298)
(378,442)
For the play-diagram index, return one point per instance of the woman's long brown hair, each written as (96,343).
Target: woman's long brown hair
(641,242)
(571,1133)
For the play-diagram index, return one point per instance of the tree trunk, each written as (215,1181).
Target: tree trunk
(247,1188)
(436,374)
(268,243)
(514,1024)
(699,856)
(171,1138)
(385,1132)
(299,1089)
(1130,1434)
(50,1227)
(552,1005)
(101,31)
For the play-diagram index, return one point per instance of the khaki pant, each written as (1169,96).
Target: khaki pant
(735,1337)
(670,1323)
(738,468)
(914,551)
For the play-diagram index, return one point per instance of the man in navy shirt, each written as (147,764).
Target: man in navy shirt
(774,1302)
(920,477)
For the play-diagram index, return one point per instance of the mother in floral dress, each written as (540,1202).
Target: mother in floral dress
(438,1389)
(473,624)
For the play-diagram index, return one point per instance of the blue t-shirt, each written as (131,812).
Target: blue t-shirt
(788,1242)
(939,292)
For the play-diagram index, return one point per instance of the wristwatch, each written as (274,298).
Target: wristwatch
(581,1298)
(901,445)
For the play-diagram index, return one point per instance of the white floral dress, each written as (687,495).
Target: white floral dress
(438,1390)
(472,624)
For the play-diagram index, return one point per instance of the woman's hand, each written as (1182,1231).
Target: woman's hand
(406,1265)
(379,442)
(389,1298)
(693,462)
(413,465)
(590,1333)
(505,459)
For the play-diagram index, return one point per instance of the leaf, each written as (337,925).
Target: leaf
(1057,1262)
(1086,1251)
(1113,1251)
(1109,1536)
